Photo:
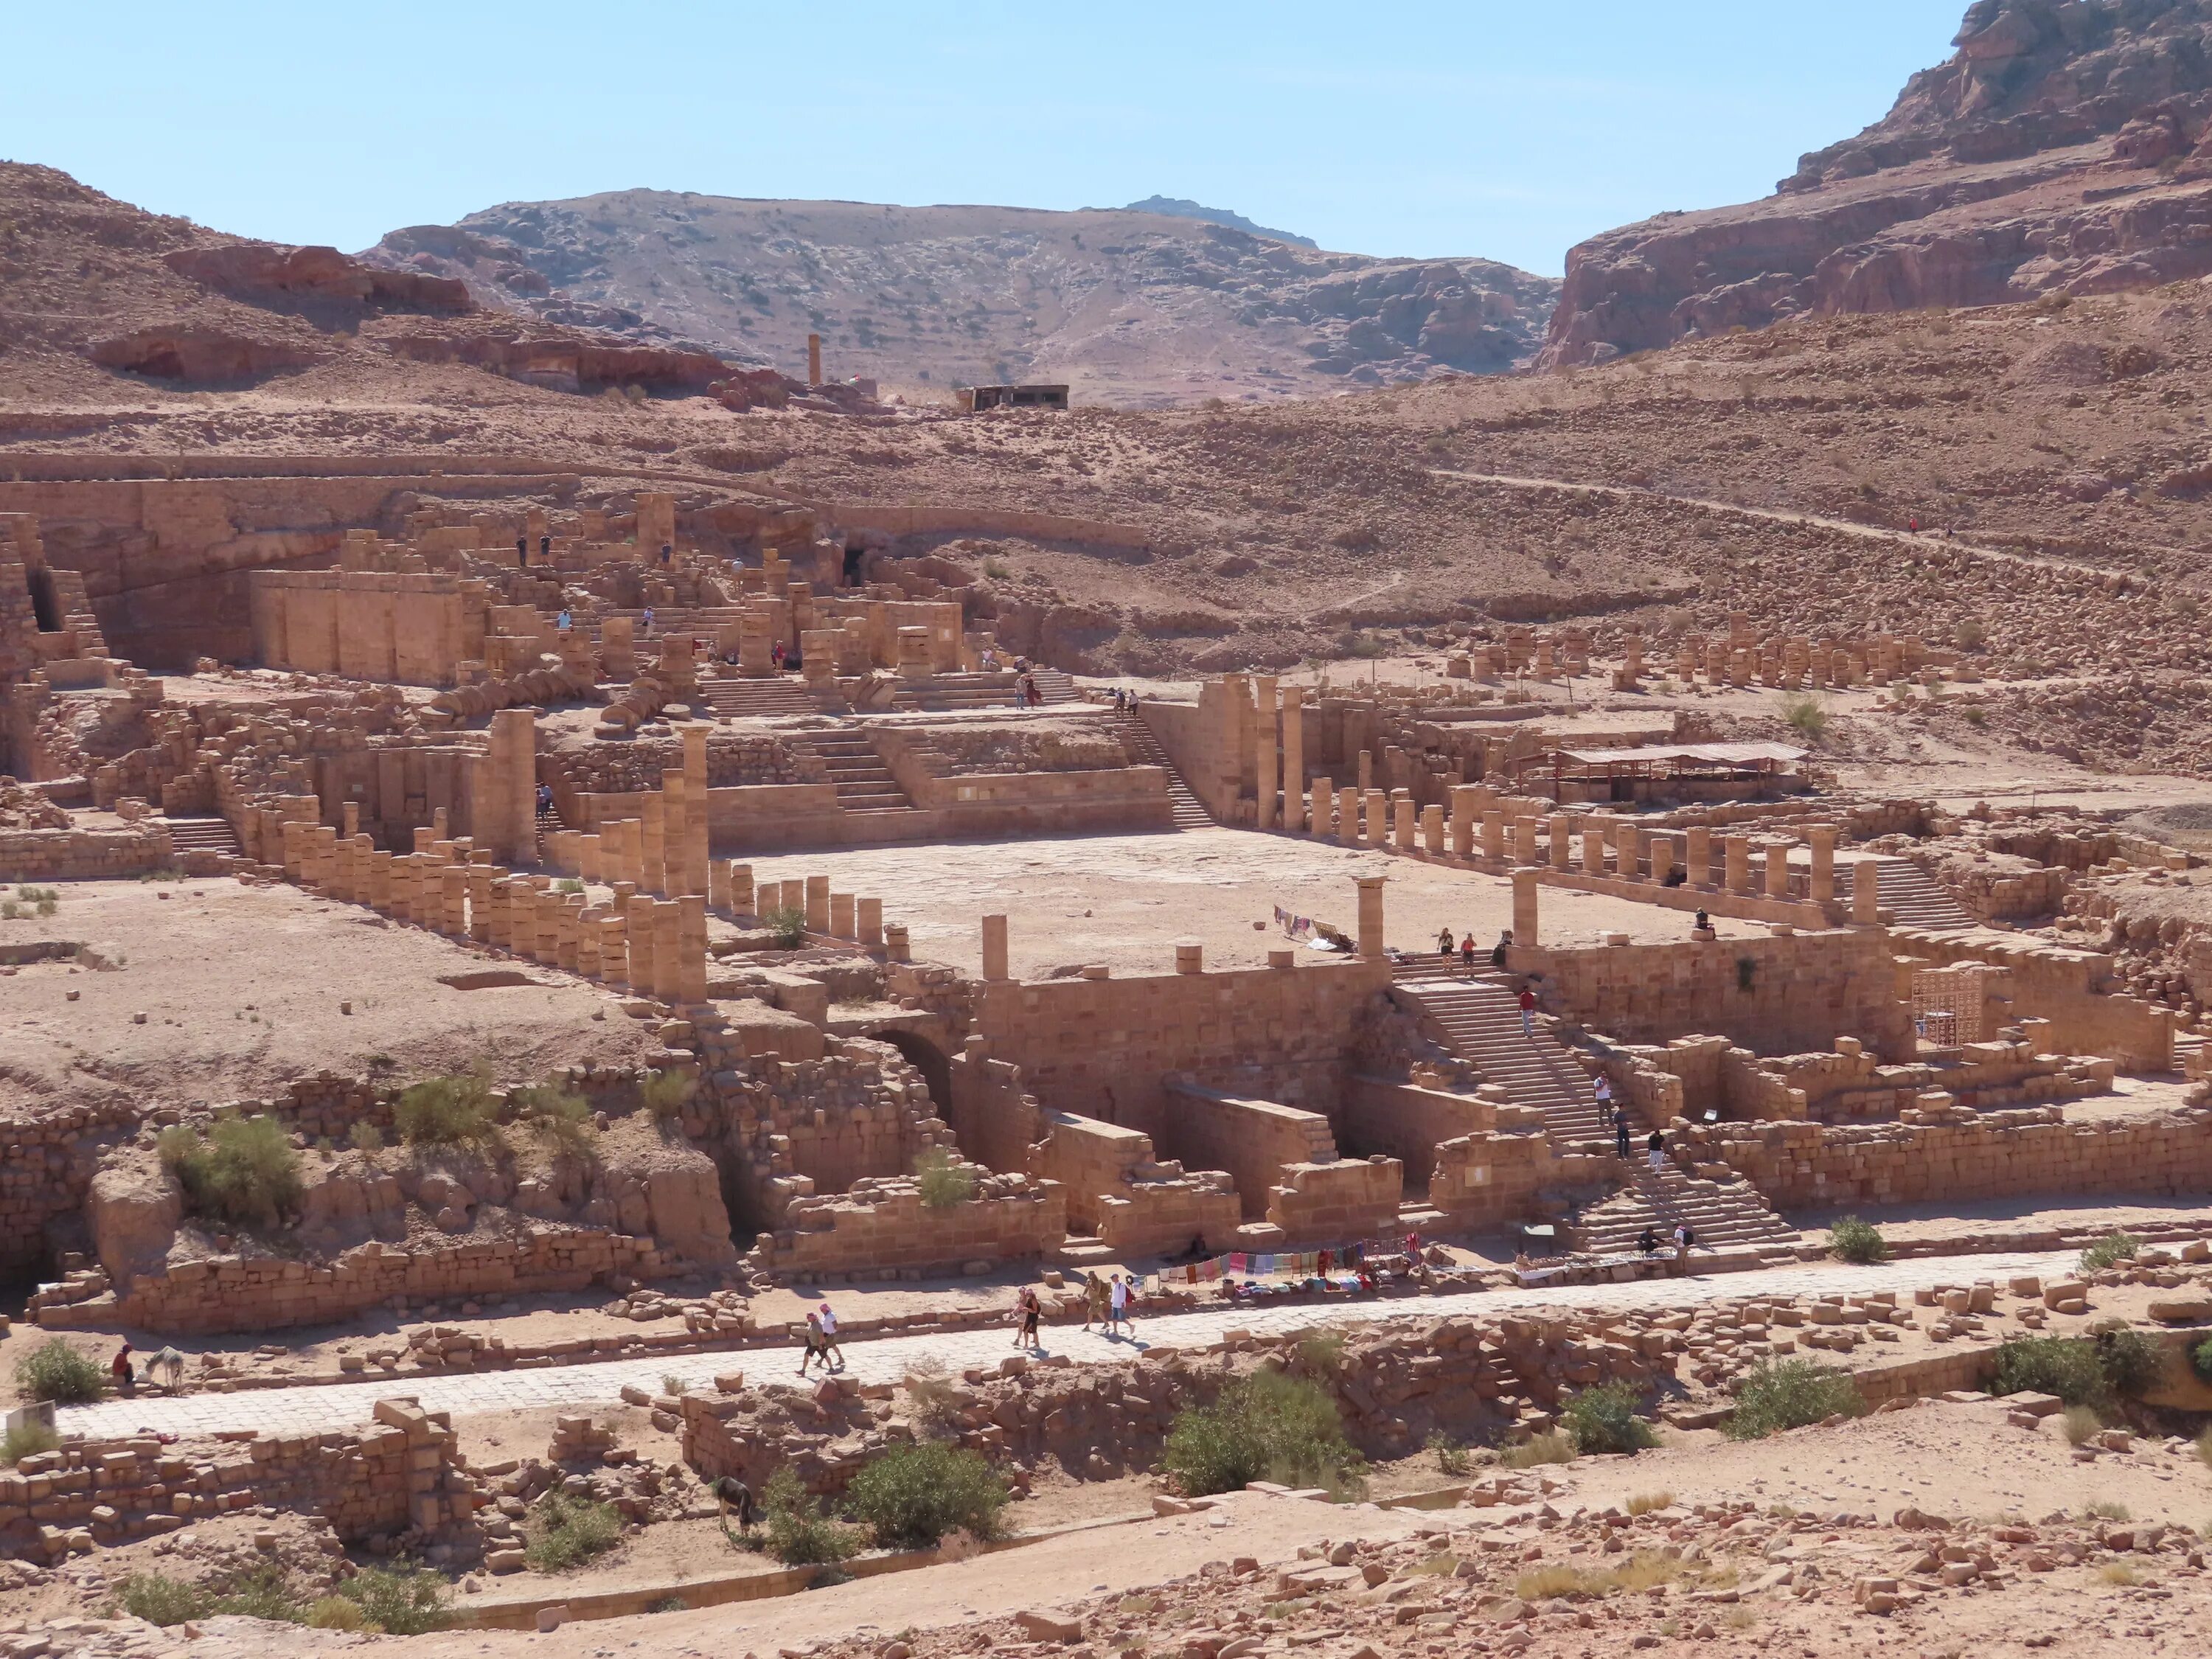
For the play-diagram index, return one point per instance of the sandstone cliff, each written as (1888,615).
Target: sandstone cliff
(1133,308)
(2066,147)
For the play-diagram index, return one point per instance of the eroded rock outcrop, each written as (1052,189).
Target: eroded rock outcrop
(2066,148)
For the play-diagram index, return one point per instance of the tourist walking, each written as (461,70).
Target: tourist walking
(1683,1239)
(544,550)
(1528,1012)
(1447,946)
(1603,1089)
(1094,1300)
(1025,1333)
(1620,1135)
(1467,955)
(522,552)
(1655,1150)
(648,622)
(566,623)
(829,1342)
(816,1348)
(1117,1296)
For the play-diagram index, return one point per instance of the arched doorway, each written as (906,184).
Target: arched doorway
(927,1058)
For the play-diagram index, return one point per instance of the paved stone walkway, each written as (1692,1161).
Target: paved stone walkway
(313,1409)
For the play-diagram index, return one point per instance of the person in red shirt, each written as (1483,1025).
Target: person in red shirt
(1528,1012)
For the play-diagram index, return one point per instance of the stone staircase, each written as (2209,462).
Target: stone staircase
(1145,750)
(1479,1020)
(856,771)
(771,698)
(209,835)
(1914,898)
(942,694)
(1727,1216)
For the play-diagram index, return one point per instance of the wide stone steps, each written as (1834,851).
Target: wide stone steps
(1914,898)
(1721,1215)
(758,699)
(212,835)
(1479,1020)
(1147,750)
(856,772)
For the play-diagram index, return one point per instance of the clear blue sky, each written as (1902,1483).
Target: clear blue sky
(1510,130)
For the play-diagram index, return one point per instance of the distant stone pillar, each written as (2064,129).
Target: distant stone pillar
(587,941)
(1524,840)
(1493,836)
(741,889)
(1563,841)
(568,946)
(841,915)
(508,788)
(1403,821)
(1778,869)
(588,865)
(1347,815)
(1370,917)
(1866,893)
(618,648)
(1737,851)
(380,881)
(639,937)
(1294,757)
(1698,856)
(696,837)
(814,359)
(1189,957)
(1366,770)
(994,948)
(675,819)
(1323,821)
(868,918)
(453,896)
(1593,850)
(691,948)
(614,950)
(1466,815)
(1662,859)
(1376,822)
(1524,907)
(653,853)
(668,950)
(1432,829)
(1267,758)
(1821,886)
(1626,863)
(817,904)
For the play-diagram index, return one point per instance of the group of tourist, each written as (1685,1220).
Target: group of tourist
(1464,950)
(820,1337)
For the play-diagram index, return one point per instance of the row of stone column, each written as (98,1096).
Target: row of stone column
(665,849)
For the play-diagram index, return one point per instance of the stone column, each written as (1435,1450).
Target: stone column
(1370,917)
(668,951)
(1190,958)
(691,948)
(589,866)
(675,820)
(1432,829)
(1626,863)
(1563,841)
(1466,814)
(1866,893)
(568,946)
(508,788)
(994,948)
(1524,841)
(614,950)
(817,904)
(380,881)
(1593,849)
(639,937)
(1347,815)
(1323,821)
(741,889)
(618,648)
(841,915)
(1376,818)
(695,806)
(1662,859)
(1366,770)
(1524,908)
(587,941)
(1737,851)
(1698,856)
(1778,869)
(1294,757)
(453,882)
(868,917)
(1822,882)
(652,860)
(1493,836)
(1403,821)
(718,884)
(1267,758)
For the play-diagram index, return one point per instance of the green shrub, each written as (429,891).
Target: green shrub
(562,1120)
(1267,1427)
(445,1111)
(2200,1360)
(45,900)
(799,1534)
(913,1495)
(2111,1251)
(1807,714)
(2078,1423)
(788,923)
(365,1137)
(569,885)
(399,1600)
(665,1094)
(336,1613)
(27,1439)
(54,1370)
(1853,1240)
(1450,1455)
(943,1180)
(1604,1419)
(1550,1448)
(565,1532)
(244,1172)
(1788,1393)
(264,1593)
(161,1600)
(2115,1365)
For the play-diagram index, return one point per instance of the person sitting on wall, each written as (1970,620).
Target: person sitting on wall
(126,1375)
(1647,1243)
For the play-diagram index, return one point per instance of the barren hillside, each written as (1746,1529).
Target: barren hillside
(1132,308)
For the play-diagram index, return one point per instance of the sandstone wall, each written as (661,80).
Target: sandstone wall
(993,1120)
(1135,1205)
(1407,1122)
(2062,985)
(1255,1140)
(866,1230)
(83,855)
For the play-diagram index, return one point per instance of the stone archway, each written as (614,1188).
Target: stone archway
(927,1058)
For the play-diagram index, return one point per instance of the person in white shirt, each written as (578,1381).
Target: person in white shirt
(829,1342)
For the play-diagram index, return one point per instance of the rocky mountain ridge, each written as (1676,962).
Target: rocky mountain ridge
(2065,148)
(1132,308)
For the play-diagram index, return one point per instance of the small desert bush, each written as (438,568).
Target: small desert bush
(1644,1502)
(2131,1360)
(912,1496)
(2104,1509)
(45,900)
(1450,1455)
(567,1531)
(1267,1427)
(569,885)
(264,1593)
(1806,715)
(932,1401)
(398,1600)
(2204,1448)
(1320,1352)
(161,1600)
(446,1111)
(2078,1423)
(559,1119)
(365,1137)
(27,1439)
(2118,1572)
(2114,1364)
(2200,1360)
(1640,1572)
(244,1171)
(665,1094)
(54,1370)
(1853,1240)
(1789,1394)
(336,1613)
(799,1534)
(2110,1251)
(1604,1419)
(944,1183)
(1553,1447)
(787,922)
